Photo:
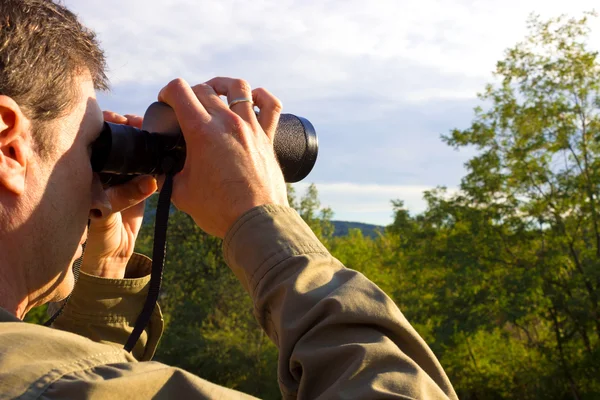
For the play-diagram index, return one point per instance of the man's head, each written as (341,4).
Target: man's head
(50,67)
(43,48)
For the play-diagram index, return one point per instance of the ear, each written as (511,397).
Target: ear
(15,146)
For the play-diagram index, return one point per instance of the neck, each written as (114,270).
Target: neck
(17,252)
(12,298)
(28,275)
(15,296)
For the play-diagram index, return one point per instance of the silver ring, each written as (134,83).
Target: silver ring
(240,100)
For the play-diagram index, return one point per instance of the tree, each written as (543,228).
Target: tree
(309,208)
(522,238)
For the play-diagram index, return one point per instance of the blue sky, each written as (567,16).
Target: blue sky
(381,80)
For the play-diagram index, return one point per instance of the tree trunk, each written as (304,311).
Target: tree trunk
(563,361)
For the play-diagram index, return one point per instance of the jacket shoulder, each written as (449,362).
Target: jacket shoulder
(32,357)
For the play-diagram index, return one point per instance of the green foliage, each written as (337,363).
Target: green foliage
(309,208)
(519,248)
(37,315)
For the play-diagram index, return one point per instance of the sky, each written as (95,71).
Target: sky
(381,80)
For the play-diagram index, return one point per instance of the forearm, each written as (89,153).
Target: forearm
(338,334)
(105,310)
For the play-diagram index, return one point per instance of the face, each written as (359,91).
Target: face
(62,189)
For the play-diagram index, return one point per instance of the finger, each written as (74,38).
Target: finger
(101,206)
(129,194)
(209,98)
(188,109)
(110,116)
(160,181)
(236,89)
(270,110)
(134,120)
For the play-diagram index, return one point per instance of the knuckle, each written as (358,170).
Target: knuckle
(241,85)
(268,100)
(236,123)
(203,88)
(277,105)
(260,92)
(176,84)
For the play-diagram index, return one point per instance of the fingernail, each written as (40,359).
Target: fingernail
(147,185)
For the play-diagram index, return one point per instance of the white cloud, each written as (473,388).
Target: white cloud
(316,47)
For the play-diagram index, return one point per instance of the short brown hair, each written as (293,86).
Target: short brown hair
(43,48)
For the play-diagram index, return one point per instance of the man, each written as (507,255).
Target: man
(339,336)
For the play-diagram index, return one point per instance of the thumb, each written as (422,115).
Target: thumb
(129,194)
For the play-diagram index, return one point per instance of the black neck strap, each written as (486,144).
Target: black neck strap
(158,261)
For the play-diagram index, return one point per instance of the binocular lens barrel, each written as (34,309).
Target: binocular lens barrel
(122,152)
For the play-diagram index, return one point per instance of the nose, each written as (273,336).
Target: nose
(101,207)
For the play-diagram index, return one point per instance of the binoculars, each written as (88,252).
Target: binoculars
(122,152)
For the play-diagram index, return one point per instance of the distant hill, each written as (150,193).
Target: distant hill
(342,228)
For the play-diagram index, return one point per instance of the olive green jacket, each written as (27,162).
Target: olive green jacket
(338,334)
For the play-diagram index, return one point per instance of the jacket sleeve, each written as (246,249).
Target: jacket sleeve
(338,334)
(105,310)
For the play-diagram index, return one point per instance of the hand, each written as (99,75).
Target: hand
(111,236)
(230,165)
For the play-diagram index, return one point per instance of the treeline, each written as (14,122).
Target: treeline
(502,279)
